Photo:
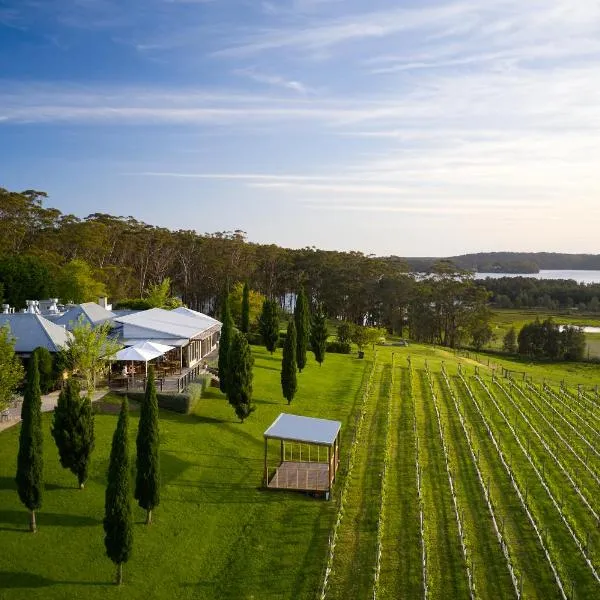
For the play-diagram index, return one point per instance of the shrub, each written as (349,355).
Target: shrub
(339,347)
(179,403)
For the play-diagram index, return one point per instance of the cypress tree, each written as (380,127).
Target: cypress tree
(245,320)
(269,325)
(118,526)
(318,336)
(302,320)
(30,465)
(147,483)
(46,369)
(289,379)
(239,384)
(224,343)
(73,431)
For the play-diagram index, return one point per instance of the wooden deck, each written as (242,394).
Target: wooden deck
(176,383)
(303,476)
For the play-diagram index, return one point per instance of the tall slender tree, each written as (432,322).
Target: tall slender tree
(224,343)
(118,526)
(269,325)
(73,430)
(245,318)
(147,483)
(30,461)
(289,378)
(302,320)
(318,335)
(239,385)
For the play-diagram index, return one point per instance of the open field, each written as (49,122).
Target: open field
(216,533)
(456,483)
(504,319)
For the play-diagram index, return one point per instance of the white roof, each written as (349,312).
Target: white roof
(304,429)
(200,317)
(168,323)
(173,342)
(31,331)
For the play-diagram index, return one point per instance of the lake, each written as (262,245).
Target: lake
(579,276)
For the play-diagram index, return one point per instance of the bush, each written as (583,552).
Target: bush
(254,338)
(339,347)
(179,403)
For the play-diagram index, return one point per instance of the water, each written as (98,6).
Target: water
(579,276)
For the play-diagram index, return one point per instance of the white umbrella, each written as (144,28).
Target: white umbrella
(143,352)
(154,346)
(137,354)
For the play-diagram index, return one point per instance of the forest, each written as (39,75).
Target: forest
(45,253)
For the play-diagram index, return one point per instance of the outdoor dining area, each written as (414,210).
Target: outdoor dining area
(129,369)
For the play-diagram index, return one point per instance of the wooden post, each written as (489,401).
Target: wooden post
(329,464)
(282,448)
(266,472)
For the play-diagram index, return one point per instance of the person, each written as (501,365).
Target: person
(125,371)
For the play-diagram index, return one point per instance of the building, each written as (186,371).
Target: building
(89,313)
(32,330)
(194,333)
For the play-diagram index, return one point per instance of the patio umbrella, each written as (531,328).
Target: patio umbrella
(142,352)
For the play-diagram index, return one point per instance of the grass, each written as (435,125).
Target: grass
(353,567)
(216,533)
(504,319)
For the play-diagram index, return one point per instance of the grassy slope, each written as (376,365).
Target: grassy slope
(216,535)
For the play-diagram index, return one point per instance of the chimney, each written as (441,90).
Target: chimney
(103,302)
(53,309)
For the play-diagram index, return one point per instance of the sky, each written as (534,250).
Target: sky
(407,127)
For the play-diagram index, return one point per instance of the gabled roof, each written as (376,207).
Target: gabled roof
(32,330)
(304,429)
(168,323)
(92,313)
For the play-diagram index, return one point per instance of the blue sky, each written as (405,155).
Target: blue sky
(393,127)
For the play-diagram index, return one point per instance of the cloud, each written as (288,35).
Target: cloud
(274,80)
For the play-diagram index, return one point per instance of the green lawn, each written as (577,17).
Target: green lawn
(216,533)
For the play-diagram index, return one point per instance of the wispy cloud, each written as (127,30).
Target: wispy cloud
(274,80)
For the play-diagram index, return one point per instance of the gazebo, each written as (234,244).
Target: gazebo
(309,453)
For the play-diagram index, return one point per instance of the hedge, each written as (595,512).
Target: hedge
(179,403)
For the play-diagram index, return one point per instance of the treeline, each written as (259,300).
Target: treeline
(513,262)
(547,340)
(553,294)
(44,253)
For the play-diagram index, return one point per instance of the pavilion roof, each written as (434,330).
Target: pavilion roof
(304,429)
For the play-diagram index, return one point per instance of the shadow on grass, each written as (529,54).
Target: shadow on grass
(178,417)
(51,487)
(12,580)
(20,520)
(7,483)
(268,368)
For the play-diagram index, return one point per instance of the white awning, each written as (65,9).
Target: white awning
(304,429)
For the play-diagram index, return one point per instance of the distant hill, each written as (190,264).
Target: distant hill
(512,262)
